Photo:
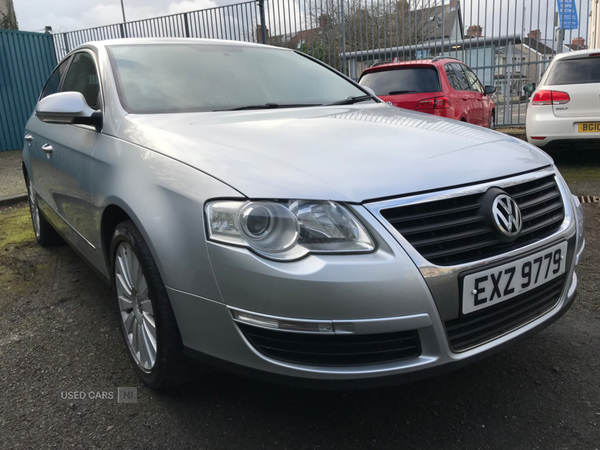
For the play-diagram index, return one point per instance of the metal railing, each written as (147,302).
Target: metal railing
(508,43)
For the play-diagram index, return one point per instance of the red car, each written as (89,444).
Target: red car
(441,86)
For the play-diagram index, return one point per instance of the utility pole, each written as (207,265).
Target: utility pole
(123,9)
(263,29)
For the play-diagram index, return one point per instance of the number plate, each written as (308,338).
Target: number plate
(590,127)
(493,286)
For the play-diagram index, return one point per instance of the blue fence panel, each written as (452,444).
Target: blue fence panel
(26,60)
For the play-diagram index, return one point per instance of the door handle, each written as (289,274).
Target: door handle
(28,138)
(47,148)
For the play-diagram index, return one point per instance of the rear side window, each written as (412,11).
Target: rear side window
(456,77)
(575,71)
(53,82)
(410,80)
(473,80)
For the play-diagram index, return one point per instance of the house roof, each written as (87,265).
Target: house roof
(537,46)
(422,24)
(428,21)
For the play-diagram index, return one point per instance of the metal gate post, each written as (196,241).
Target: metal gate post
(66,43)
(187,25)
(263,29)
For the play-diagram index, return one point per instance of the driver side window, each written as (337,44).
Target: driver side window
(83,77)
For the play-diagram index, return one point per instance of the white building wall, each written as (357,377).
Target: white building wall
(595,25)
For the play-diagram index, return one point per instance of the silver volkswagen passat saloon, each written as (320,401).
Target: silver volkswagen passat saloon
(256,210)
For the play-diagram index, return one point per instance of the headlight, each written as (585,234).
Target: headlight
(288,230)
(580,228)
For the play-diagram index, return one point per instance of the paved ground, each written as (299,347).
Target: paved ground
(11,175)
(59,338)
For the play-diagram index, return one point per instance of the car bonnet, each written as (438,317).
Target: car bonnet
(350,153)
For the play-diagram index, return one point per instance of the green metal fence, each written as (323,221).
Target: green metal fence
(26,60)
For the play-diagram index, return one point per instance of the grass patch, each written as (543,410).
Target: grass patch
(18,250)
(579,173)
(15,227)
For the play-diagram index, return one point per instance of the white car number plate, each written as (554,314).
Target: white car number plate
(493,286)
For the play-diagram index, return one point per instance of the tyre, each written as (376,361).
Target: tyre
(146,318)
(44,232)
(492,121)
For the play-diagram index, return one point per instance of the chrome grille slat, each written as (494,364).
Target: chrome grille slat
(442,231)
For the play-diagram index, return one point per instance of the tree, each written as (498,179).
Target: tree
(8,21)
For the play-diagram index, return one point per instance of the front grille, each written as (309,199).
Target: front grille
(454,231)
(333,349)
(481,326)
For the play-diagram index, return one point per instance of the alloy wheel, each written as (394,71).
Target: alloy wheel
(135,307)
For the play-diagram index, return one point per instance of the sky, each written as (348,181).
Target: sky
(71,15)
(497,16)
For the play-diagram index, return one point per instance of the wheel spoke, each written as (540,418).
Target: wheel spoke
(123,272)
(128,321)
(125,304)
(150,327)
(143,289)
(147,306)
(149,346)
(122,283)
(136,272)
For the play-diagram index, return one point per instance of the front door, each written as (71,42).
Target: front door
(68,150)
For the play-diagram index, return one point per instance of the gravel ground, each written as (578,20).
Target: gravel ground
(60,340)
(11,175)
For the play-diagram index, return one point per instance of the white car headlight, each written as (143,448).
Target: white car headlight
(288,230)
(580,228)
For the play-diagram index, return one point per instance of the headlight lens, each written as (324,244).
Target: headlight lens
(287,230)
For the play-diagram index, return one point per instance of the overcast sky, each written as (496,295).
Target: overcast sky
(70,15)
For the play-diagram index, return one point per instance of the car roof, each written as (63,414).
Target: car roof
(189,41)
(435,62)
(576,54)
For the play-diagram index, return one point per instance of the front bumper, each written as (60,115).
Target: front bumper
(389,291)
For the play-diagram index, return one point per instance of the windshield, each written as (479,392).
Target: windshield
(411,80)
(166,78)
(575,71)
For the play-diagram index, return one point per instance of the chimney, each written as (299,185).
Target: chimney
(535,34)
(259,31)
(474,31)
(579,42)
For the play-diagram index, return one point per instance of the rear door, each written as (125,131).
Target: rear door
(472,95)
(481,100)
(459,95)
(580,79)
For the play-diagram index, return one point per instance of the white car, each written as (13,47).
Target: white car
(564,110)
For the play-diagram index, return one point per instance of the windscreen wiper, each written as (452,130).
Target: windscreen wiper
(352,100)
(269,106)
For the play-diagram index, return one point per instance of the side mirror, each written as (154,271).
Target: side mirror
(67,108)
(489,90)
(529,88)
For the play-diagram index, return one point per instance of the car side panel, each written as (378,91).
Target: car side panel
(165,199)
